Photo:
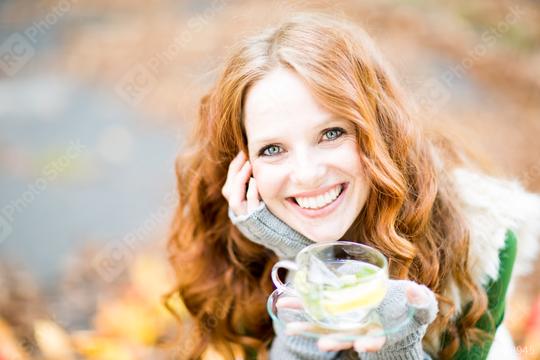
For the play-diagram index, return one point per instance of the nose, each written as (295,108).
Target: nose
(308,171)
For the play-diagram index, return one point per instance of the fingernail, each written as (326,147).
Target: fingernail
(359,346)
(417,296)
(295,328)
(360,349)
(326,344)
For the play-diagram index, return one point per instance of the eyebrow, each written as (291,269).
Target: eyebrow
(325,122)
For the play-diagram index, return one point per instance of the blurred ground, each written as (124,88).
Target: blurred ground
(98,96)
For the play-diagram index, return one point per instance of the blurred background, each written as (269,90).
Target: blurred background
(97,97)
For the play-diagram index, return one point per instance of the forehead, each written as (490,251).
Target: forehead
(281,99)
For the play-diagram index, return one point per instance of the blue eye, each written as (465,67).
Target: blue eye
(270,150)
(333,134)
(328,135)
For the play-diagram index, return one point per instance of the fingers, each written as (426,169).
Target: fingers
(238,185)
(234,167)
(252,195)
(304,327)
(298,328)
(423,300)
(289,303)
(328,344)
(234,189)
(369,345)
(416,296)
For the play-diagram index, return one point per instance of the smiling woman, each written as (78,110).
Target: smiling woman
(306,138)
(298,177)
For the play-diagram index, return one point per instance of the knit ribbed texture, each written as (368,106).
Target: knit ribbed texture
(411,350)
(262,227)
(297,347)
(406,343)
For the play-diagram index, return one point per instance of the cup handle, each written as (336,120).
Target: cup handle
(286,264)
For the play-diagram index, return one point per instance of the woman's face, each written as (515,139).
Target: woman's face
(305,160)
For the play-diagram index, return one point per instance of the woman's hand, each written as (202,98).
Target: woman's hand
(250,215)
(401,295)
(234,189)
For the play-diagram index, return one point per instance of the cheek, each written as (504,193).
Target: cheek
(352,165)
(269,180)
(349,159)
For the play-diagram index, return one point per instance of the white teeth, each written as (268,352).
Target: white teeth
(328,196)
(319,201)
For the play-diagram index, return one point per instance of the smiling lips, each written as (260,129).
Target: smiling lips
(319,201)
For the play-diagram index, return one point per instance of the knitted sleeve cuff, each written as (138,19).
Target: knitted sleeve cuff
(297,347)
(407,343)
(264,228)
(409,348)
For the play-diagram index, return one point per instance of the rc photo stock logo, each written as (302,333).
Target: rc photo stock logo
(19,48)
(112,260)
(136,84)
(5,229)
(15,52)
(432,95)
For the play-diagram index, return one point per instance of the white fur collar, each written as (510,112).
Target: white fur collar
(491,207)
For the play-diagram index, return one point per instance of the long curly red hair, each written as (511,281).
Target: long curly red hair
(223,278)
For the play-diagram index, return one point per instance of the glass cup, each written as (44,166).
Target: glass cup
(339,282)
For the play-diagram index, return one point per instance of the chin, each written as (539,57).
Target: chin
(322,238)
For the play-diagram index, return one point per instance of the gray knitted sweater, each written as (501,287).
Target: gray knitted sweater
(262,227)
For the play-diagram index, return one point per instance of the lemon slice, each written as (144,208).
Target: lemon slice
(361,296)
